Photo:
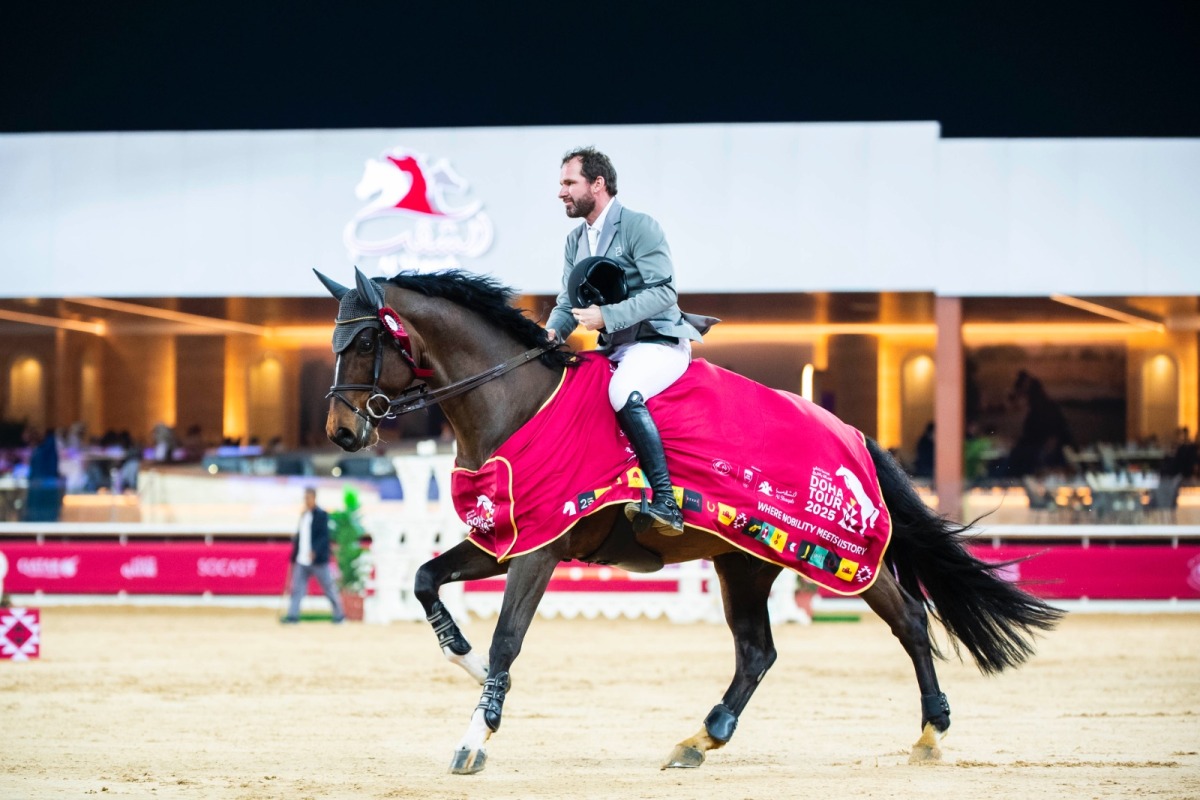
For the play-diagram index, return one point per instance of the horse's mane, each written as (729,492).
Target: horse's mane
(490,299)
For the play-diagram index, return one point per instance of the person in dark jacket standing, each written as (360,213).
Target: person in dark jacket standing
(310,558)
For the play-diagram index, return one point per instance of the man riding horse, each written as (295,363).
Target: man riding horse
(810,493)
(618,279)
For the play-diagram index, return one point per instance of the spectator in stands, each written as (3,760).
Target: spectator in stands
(310,558)
(1044,432)
(1186,456)
(193,443)
(923,465)
(43,502)
(164,441)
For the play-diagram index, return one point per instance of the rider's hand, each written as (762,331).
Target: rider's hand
(551,334)
(589,317)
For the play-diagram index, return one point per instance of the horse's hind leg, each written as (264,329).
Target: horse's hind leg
(463,562)
(907,618)
(745,587)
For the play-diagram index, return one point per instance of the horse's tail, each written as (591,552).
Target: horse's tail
(991,617)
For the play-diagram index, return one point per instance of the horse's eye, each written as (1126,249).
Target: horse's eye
(365,344)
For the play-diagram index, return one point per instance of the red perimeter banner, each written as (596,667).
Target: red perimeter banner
(1056,571)
(1101,572)
(135,568)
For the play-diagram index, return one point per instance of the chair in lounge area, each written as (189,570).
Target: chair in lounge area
(1041,501)
(1164,499)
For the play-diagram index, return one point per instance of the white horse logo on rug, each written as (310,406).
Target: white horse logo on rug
(483,516)
(408,203)
(867,509)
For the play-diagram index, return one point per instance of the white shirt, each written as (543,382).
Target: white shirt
(593,230)
(304,551)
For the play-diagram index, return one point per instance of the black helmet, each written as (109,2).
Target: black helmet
(598,281)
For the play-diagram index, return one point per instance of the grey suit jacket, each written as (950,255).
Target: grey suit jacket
(651,309)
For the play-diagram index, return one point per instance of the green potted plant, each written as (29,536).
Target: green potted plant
(353,559)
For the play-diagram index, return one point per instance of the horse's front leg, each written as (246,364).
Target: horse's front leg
(745,587)
(463,562)
(528,578)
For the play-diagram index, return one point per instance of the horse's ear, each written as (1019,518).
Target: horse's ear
(335,288)
(368,290)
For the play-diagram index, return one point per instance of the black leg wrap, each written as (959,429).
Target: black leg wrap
(447,631)
(720,723)
(933,707)
(492,700)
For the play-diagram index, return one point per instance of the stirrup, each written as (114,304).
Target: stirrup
(644,516)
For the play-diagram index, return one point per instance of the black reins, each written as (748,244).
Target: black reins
(419,395)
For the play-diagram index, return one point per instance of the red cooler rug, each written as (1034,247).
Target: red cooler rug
(769,472)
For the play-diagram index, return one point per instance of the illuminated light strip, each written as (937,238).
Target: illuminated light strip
(98,328)
(1111,313)
(301,335)
(212,323)
(733,332)
(1000,332)
(743,333)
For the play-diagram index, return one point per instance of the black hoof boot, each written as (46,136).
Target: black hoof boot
(935,710)
(491,702)
(663,512)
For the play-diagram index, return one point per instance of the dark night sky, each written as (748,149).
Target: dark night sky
(980,68)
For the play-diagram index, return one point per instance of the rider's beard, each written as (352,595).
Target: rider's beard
(581,207)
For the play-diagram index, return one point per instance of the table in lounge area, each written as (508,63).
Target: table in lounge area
(1104,497)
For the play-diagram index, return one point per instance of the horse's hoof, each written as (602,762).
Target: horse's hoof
(683,757)
(468,762)
(926,750)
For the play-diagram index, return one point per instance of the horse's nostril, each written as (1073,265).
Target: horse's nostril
(344,438)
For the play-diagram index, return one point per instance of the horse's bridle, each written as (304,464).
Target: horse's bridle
(417,396)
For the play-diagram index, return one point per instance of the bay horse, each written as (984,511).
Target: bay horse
(454,338)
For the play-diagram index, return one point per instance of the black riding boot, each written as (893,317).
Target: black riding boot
(662,513)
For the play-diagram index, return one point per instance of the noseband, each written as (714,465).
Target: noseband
(379,406)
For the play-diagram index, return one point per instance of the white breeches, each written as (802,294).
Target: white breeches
(646,367)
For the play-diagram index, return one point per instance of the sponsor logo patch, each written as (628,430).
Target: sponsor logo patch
(635,479)
(754,527)
(847,569)
(588,499)
(778,541)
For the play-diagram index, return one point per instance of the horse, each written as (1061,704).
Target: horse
(454,338)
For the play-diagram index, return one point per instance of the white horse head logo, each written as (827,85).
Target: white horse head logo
(410,216)
(405,182)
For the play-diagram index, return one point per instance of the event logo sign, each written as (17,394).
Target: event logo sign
(419,215)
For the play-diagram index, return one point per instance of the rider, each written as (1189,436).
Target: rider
(645,333)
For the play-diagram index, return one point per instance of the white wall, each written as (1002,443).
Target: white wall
(1076,216)
(773,207)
